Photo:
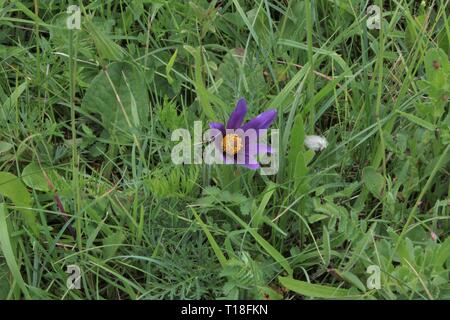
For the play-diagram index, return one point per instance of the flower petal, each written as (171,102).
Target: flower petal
(238,115)
(217,125)
(255,166)
(247,157)
(254,150)
(262,121)
(215,134)
(264,148)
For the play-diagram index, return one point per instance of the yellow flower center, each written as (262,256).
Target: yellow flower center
(231,144)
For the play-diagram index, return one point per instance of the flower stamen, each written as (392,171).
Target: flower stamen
(231,144)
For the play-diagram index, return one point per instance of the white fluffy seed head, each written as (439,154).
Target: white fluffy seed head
(316,143)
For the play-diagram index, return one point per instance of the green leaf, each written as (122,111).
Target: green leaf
(216,248)
(373,181)
(12,188)
(353,280)
(286,92)
(413,25)
(326,246)
(11,102)
(443,253)
(169,66)
(417,120)
(257,217)
(33,177)
(5,146)
(274,253)
(4,280)
(8,252)
(214,195)
(204,97)
(246,21)
(317,217)
(112,243)
(119,95)
(296,140)
(405,251)
(436,62)
(106,48)
(313,290)
(301,179)
(442,38)
(267,293)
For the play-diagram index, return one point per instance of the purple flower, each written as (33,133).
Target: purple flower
(231,141)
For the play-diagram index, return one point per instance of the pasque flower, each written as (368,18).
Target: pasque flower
(236,146)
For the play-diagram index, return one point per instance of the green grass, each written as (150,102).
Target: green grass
(86,176)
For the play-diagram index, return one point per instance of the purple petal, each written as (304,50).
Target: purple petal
(246,157)
(264,148)
(217,125)
(262,121)
(238,114)
(251,152)
(250,161)
(254,150)
(216,134)
(252,166)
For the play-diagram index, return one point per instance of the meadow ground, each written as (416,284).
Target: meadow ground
(87,182)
